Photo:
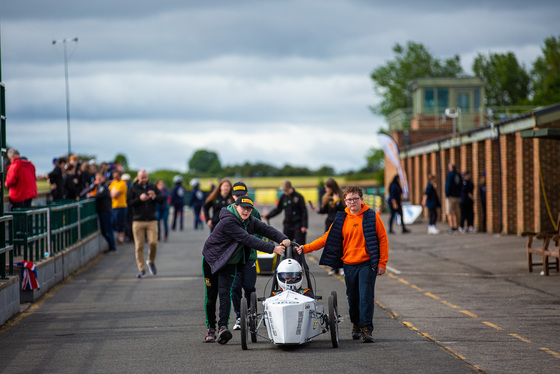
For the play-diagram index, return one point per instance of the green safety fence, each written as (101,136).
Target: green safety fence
(6,246)
(40,232)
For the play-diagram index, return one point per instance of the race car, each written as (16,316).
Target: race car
(290,314)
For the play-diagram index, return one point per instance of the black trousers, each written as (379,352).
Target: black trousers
(467,214)
(211,294)
(433,216)
(226,276)
(394,212)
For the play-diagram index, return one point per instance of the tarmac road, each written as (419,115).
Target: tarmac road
(441,310)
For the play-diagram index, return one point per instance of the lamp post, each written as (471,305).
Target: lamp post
(64,42)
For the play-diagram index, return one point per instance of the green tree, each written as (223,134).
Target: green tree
(507,82)
(411,62)
(205,162)
(325,171)
(546,74)
(121,160)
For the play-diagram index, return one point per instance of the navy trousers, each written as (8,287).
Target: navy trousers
(106,227)
(360,291)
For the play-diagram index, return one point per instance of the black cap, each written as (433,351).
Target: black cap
(239,189)
(244,201)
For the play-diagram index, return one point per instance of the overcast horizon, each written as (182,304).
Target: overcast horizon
(258,81)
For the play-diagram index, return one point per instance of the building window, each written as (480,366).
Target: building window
(442,99)
(429,100)
(464,101)
(476,98)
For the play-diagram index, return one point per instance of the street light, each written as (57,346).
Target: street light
(64,41)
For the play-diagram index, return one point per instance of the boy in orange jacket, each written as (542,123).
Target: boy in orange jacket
(356,241)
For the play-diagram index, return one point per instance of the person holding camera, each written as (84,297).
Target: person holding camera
(142,198)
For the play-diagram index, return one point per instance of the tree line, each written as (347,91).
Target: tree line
(508,83)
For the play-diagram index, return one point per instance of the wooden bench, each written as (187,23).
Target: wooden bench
(545,251)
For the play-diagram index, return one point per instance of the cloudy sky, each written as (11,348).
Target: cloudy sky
(253,80)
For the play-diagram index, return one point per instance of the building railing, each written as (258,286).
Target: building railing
(6,246)
(400,119)
(40,232)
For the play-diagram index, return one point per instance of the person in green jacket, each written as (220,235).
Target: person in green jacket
(247,276)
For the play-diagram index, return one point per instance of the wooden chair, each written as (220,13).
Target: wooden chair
(552,250)
(547,237)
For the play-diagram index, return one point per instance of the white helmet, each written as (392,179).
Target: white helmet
(177,179)
(289,275)
(195,182)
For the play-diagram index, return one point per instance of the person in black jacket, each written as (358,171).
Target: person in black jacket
(225,252)
(331,203)
(395,201)
(219,198)
(295,214)
(466,203)
(56,179)
(453,187)
(103,207)
(71,182)
(142,198)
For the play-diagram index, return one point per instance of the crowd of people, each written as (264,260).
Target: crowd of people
(459,198)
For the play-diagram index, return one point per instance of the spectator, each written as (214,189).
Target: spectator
(466,204)
(119,191)
(453,186)
(128,225)
(295,214)
(395,196)
(226,250)
(71,182)
(219,198)
(21,180)
(84,176)
(162,210)
(196,201)
(431,201)
(178,201)
(331,203)
(357,240)
(482,197)
(56,179)
(142,199)
(104,211)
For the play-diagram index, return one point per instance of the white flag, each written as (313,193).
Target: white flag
(391,150)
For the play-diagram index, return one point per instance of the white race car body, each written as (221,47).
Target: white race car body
(292,318)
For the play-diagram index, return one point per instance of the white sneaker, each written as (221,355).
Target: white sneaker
(341,272)
(332,272)
(432,230)
(436,231)
(237,325)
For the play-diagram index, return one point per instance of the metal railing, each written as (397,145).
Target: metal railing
(31,233)
(44,231)
(6,246)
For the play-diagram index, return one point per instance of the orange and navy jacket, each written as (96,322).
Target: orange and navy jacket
(354,248)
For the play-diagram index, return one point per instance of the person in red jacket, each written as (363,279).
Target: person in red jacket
(21,180)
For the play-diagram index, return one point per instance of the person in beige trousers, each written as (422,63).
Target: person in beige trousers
(142,198)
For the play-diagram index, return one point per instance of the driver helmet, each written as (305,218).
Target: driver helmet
(289,275)
(177,179)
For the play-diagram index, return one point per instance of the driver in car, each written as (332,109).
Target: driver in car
(290,277)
